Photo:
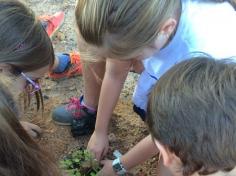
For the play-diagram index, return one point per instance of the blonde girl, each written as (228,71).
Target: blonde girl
(150,36)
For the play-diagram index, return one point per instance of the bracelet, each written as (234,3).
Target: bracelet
(118,167)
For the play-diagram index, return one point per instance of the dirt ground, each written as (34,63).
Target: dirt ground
(126,127)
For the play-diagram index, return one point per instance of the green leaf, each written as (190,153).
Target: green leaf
(66,164)
(93,174)
(76,160)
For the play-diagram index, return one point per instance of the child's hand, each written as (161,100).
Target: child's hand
(98,145)
(32,129)
(107,169)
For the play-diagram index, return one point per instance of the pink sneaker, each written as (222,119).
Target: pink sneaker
(52,23)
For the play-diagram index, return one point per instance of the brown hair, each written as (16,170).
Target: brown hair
(20,155)
(192,112)
(122,27)
(24,44)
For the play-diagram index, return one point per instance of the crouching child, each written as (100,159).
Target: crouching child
(192,118)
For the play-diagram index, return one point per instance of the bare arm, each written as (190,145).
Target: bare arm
(115,75)
(114,78)
(141,152)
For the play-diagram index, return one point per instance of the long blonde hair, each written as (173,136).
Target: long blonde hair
(122,26)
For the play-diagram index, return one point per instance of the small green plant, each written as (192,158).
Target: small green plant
(80,163)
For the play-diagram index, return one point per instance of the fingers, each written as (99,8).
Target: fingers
(98,145)
(99,173)
(32,129)
(32,133)
(98,155)
(35,128)
(103,153)
(103,162)
(107,169)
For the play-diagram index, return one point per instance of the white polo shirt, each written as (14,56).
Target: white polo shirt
(204,27)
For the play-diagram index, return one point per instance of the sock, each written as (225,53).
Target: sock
(44,24)
(64,60)
(92,110)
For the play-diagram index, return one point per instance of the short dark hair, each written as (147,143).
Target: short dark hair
(192,112)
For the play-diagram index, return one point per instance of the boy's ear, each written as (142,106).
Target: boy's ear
(165,153)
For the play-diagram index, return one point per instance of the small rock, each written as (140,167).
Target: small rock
(45,97)
(61,36)
(48,88)
(72,88)
(112,137)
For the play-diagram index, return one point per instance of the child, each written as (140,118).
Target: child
(26,51)
(192,117)
(20,155)
(120,34)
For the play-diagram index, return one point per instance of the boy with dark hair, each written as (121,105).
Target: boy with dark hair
(192,118)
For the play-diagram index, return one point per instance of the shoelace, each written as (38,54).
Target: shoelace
(74,106)
(74,58)
(75,63)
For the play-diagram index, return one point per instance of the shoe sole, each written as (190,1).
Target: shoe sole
(77,134)
(62,124)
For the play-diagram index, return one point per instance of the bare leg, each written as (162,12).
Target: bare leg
(93,73)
